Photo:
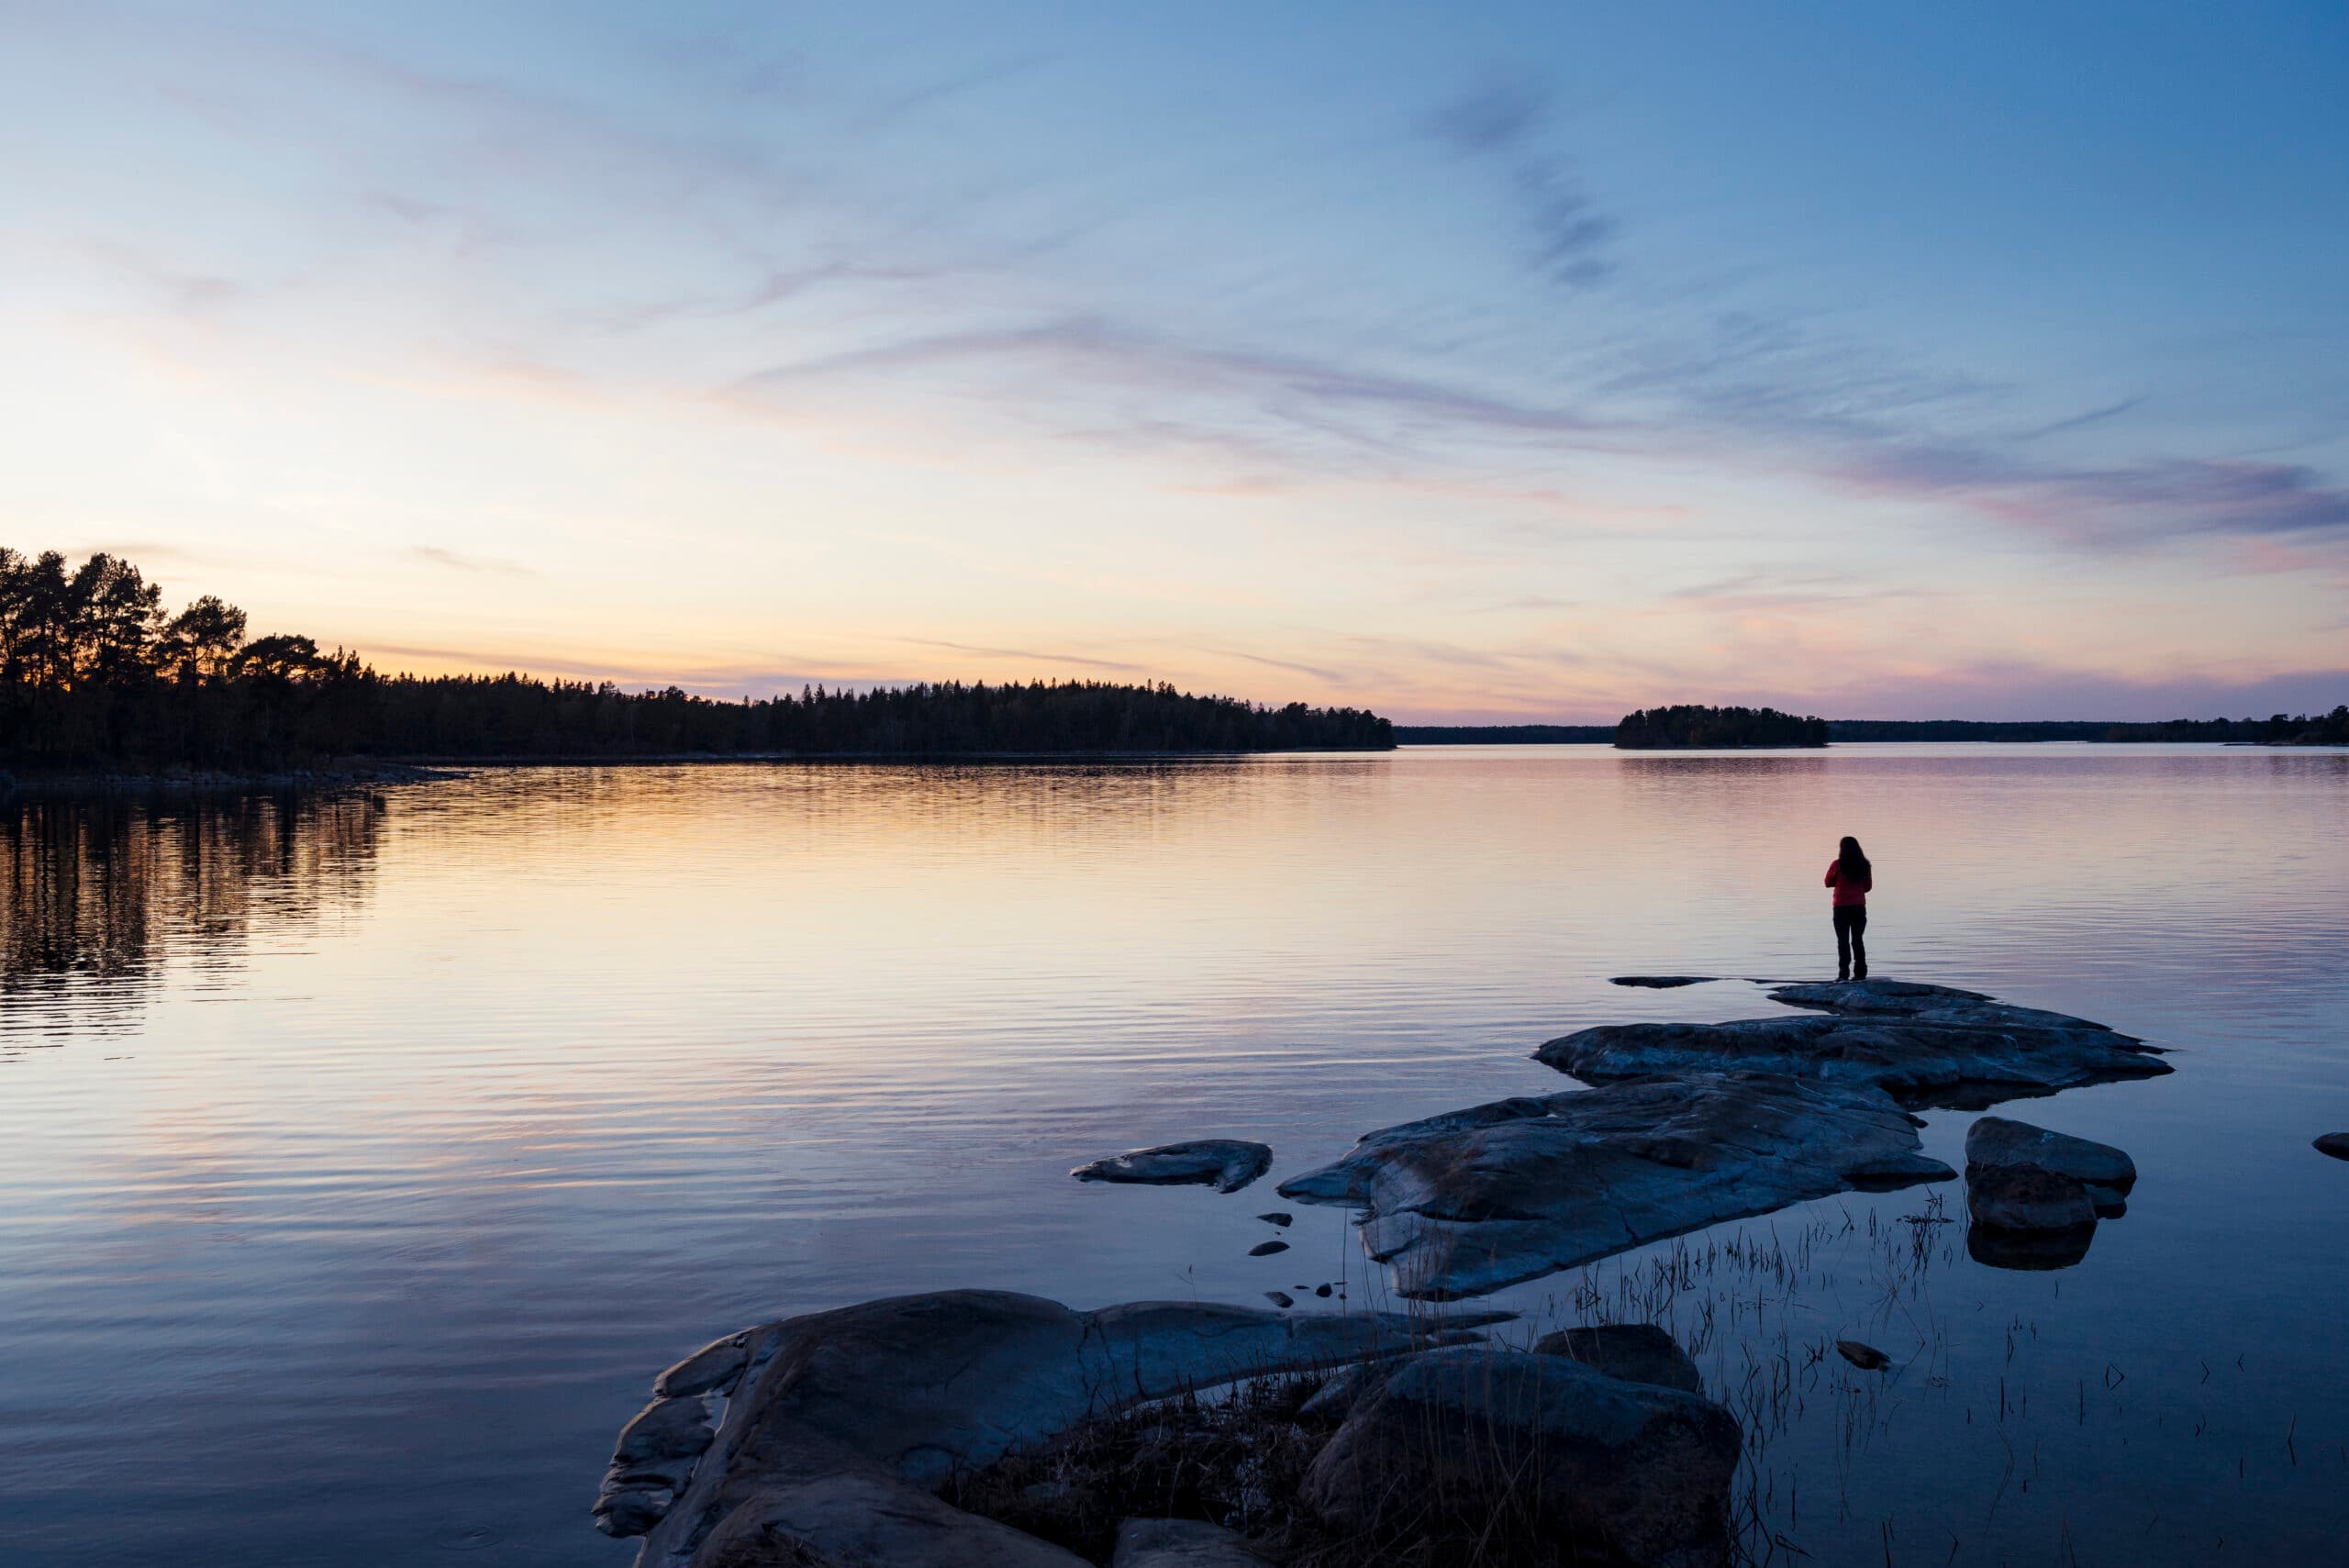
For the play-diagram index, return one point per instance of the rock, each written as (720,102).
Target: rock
(1475,1199)
(713,1367)
(1281,1299)
(901,1393)
(1927,1045)
(1266,1249)
(1537,1444)
(1995,1140)
(2335,1144)
(1182,1543)
(2027,1198)
(1636,1353)
(1226,1165)
(1867,1357)
(1278,1218)
(1660,982)
(1321,1290)
(1336,1397)
(870,1519)
(666,1428)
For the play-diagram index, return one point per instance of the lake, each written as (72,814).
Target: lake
(363,1157)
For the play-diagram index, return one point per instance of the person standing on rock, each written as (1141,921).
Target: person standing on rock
(1851,876)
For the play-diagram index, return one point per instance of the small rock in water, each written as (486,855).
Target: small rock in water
(2335,1144)
(1867,1357)
(1321,1290)
(1660,982)
(1226,1165)
(1266,1249)
(1280,1298)
(1278,1218)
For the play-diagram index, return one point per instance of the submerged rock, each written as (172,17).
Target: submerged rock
(1660,982)
(840,1422)
(1266,1249)
(1278,1218)
(1928,1045)
(1182,1543)
(1535,1444)
(2334,1143)
(1867,1357)
(1226,1165)
(1636,1353)
(1475,1199)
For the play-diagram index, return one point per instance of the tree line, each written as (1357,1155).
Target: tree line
(97,674)
(1693,725)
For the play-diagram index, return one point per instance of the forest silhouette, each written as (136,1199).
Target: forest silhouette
(95,675)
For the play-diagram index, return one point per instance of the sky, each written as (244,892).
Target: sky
(1483,362)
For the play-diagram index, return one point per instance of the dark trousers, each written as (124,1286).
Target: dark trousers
(1851,940)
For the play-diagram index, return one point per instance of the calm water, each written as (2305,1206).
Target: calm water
(361,1159)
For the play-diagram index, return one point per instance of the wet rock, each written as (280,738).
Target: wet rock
(1867,1357)
(1182,1543)
(2027,1198)
(1266,1249)
(1636,1353)
(1226,1165)
(1534,1442)
(1278,1218)
(1281,1299)
(2335,1144)
(1927,1045)
(1321,1290)
(1475,1199)
(1660,982)
(894,1396)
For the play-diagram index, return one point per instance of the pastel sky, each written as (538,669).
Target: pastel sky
(1522,361)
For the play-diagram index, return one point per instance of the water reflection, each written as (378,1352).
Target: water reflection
(100,894)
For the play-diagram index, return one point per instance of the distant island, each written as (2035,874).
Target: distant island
(97,679)
(2281,730)
(1689,726)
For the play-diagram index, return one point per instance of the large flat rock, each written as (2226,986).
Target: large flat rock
(897,1394)
(1927,1045)
(1475,1199)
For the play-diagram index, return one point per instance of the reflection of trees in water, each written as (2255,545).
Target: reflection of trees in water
(99,893)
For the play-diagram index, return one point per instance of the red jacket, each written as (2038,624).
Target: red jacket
(1848,893)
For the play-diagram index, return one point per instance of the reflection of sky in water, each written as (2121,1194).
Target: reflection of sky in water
(360,1167)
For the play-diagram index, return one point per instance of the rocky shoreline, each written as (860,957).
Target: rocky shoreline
(979,1426)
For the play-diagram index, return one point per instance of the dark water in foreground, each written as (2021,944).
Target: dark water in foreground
(360,1162)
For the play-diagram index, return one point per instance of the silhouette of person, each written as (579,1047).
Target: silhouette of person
(1851,876)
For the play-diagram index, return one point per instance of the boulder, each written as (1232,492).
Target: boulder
(1226,1165)
(2106,1173)
(868,1518)
(1927,1045)
(902,1393)
(2027,1198)
(1475,1199)
(2335,1144)
(1182,1543)
(1636,1353)
(1482,1437)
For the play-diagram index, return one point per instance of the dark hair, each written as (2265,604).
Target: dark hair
(1852,858)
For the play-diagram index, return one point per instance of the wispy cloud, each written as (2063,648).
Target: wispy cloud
(449,559)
